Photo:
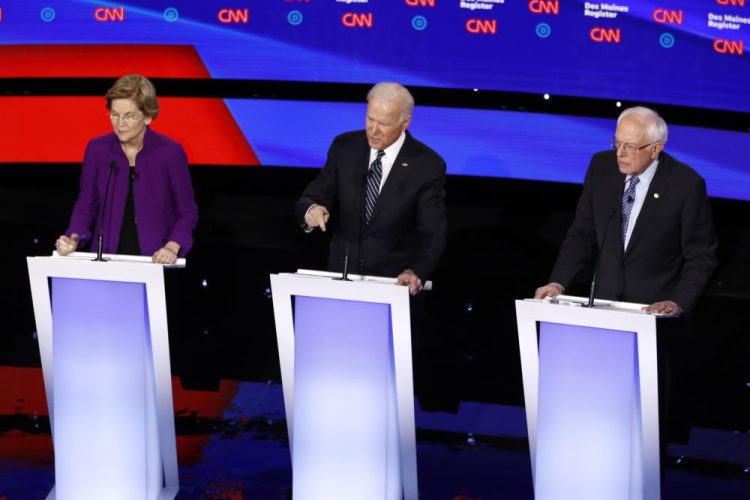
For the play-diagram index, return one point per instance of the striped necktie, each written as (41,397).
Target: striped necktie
(373,185)
(628,200)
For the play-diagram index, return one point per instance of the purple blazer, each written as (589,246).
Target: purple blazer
(165,208)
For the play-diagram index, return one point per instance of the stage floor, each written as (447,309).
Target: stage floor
(232,444)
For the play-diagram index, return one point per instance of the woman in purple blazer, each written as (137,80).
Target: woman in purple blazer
(149,208)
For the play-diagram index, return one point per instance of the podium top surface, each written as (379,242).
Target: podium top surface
(611,305)
(571,310)
(81,265)
(427,286)
(111,257)
(326,285)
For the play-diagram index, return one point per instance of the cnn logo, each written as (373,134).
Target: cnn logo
(233,16)
(482,26)
(545,7)
(605,35)
(664,16)
(109,14)
(730,47)
(357,20)
(731,3)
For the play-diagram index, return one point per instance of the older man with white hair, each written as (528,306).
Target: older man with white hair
(646,217)
(384,193)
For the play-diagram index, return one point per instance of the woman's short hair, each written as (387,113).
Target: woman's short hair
(138,89)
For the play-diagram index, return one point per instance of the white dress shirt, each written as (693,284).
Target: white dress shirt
(391,152)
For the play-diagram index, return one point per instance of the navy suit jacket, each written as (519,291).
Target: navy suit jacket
(671,254)
(408,226)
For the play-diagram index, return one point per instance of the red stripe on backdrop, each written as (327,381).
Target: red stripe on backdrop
(56,129)
(76,61)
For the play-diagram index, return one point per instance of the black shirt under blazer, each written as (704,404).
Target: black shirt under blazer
(408,226)
(671,254)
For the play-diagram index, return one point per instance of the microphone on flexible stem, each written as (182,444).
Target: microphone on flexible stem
(345,274)
(362,222)
(598,258)
(100,241)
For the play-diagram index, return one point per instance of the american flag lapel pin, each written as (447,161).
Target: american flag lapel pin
(404,164)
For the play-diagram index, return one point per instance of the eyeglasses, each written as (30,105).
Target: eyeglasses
(128,118)
(628,147)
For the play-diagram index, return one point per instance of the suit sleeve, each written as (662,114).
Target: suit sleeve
(322,190)
(579,246)
(183,201)
(86,206)
(431,223)
(699,246)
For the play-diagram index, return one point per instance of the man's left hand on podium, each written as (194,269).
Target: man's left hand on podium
(411,280)
(665,307)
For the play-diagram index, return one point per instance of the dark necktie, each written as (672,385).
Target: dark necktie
(373,185)
(628,200)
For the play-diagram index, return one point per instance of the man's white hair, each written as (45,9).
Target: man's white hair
(656,127)
(392,91)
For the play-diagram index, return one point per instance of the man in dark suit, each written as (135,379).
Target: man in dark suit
(386,192)
(648,218)
(656,244)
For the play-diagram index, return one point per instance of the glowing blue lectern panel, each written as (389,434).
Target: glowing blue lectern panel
(104,348)
(104,391)
(346,369)
(587,383)
(592,398)
(344,394)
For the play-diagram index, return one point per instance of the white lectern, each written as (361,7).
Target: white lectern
(102,331)
(346,369)
(591,390)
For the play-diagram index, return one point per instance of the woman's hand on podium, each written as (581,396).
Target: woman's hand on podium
(167,254)
(65,245)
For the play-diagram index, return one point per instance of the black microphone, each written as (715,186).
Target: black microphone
(362,191)
(631,199)
(598,258)
(345,273)
(100,242)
